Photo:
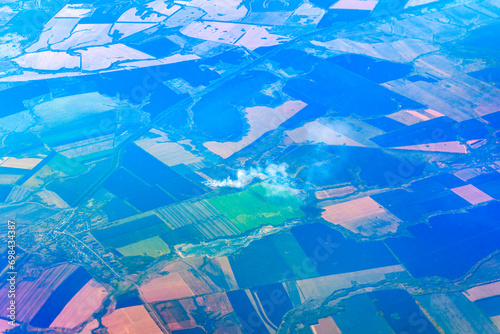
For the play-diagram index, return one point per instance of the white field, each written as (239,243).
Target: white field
(75,10)
(334,192)
(315,132)
(32,76)
(247,35)
(132,15)
(52,199)
(267,18)
(483,291)
(22,163)
(11,45)
(171,154)
(225,10)
(375,224)
(447,147)
(355,4)
(354,129)
(161,6)
(9,178)
(17,122)
(496,321)
(127,29)
(177,58)
(306,14)
(54,31)
(460,97)
(102,57)
(322,287)
(89,149)
(183,17)
(471,194)
(6,13)
(68,108)
(476,143)
(261,120)
(18,194)
(84,142)
(413,3)
(85,35)
(403,50)
(467,174)
(48,60)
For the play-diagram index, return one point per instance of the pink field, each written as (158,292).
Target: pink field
(131,320)
(81,306)
(351,210)
(168,287)
(483,291)
(4,326)
(471,194)
(326,326)
(355,4)
(447,147)
(90,327)
(216,303)
(33,293)
(467,174)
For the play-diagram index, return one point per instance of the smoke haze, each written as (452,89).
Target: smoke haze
(273,174)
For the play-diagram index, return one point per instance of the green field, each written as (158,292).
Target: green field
(153,247)
(259,205)
(67,166)
(131,232)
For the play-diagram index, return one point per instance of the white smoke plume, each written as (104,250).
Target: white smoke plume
(273,174)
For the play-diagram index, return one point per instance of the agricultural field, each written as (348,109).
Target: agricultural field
(460,313)
(134,319)
(44,284)
(250,166)
(153,247)
(259,205)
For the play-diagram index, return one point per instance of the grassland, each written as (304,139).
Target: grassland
(153,247)
(259,205)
